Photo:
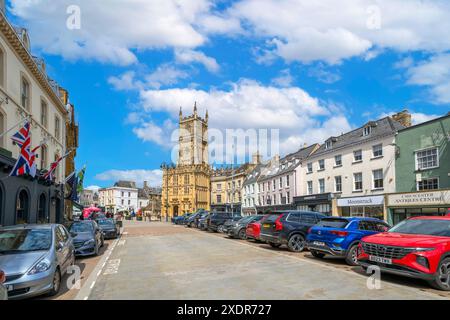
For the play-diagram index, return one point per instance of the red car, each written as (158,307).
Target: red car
(253,230)
(417,248)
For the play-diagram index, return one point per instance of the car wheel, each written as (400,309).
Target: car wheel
(274,245)
(318,254)
(242,234)
(442,281)
(296,243)
(220,229)
(103,242)
(56,283)
(352,256)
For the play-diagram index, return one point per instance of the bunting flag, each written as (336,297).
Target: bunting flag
(26,162)
(49,175)
(81,180)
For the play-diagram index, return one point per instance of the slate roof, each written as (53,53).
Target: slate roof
(380,128)
(253,176)
(125,184)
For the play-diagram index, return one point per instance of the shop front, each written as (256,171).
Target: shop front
(402,206)
(371,206)
(319,203)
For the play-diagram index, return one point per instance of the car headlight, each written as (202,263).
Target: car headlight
(41,266)
(89,242)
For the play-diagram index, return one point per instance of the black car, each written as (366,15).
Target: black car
(202,223)
(109,228)
(236,229)
(89,238)
(216,220)
(289,227)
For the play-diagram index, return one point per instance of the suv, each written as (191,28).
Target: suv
(417,248)
(341,236)
(217,219)
(289,227)
(202,223)
(237,229)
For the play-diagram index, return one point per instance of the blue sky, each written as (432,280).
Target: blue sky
(309,70)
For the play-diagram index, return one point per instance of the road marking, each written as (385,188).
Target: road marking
(121,242)
(92,285)
(113,267)
(239,242)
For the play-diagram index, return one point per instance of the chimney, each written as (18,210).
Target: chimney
(403,117)
(257,158)
(145,184)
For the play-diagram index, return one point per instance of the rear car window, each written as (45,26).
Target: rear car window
(333,223)
(309,218)
(272,217)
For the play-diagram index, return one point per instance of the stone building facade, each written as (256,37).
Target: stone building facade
(186,185)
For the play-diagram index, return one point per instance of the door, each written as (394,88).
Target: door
(61,249)
(68,250)
(175,211)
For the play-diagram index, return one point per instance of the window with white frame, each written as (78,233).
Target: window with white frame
(321,185)
(281,182)
(288,198)
(367,131)
(309,167)
(57,128)
(378,179)
(338,160)
(427,159)
(338,184)
(357,181)
(428,184)
(25,93)
(287,181)
(274,184)
(377,150)
(310,187)
(328,144)
(44,112)
(357,155)
(322,164)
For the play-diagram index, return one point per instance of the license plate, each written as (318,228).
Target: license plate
(380,260)
(9,288)
(320,244)
(266,225)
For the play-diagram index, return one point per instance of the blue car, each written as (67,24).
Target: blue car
(340,236)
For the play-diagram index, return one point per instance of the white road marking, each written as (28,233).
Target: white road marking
(92,285)
(122,242)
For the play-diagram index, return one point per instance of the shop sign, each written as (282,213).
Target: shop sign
(420,199)
(361,201)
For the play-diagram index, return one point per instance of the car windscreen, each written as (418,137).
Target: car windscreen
(246,219)
(332,223)
(423,226)
(25,240)
(81,227)
(105,223)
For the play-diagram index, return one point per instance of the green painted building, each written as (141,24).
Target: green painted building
(422,171)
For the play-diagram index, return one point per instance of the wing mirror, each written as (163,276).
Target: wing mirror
(73,234)
(59,246)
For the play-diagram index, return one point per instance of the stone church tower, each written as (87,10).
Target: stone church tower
(186,185)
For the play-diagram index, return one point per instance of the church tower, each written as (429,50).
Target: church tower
(186,184)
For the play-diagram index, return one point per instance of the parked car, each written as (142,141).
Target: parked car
(193,222)
(3,291)
(417,248)
(190,221)
(253,230)
(237,229)
(203,221)
(217,219)
(109,228)
(181,219)
(341,236)
(35,258)
(89,238)
(289,228)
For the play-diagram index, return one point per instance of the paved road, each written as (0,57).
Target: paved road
(160,261)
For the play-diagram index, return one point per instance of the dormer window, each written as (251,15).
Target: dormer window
(367,131)
(328,144)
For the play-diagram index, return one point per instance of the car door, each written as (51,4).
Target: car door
(60,249)
(68,249)
(307,220)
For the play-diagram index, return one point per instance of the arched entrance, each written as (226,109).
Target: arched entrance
(175,211)
(42,210)
(22,207)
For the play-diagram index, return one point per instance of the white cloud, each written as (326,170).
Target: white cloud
(187,56)
(321,74)
(165,75)
(331,31)
(434,74)
(148,131)
(249,105)
(416,117)
(124,82)
(153,177)
(111,30)
(285,79)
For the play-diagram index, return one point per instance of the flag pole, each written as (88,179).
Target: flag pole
(13,127)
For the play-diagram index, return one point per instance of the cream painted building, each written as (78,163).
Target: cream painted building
(123,196)
(349,175)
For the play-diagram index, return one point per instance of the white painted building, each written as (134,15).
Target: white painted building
(122,196)
(350,174)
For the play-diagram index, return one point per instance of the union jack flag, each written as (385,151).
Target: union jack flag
(49,175)
(26,162)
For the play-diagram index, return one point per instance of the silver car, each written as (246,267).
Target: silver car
(35,258)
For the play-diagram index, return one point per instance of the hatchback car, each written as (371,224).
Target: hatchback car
(289,228)
(341,236)
(35,258)
(109,229)
(89,238)
(417,248)
(237,229)
(3,291)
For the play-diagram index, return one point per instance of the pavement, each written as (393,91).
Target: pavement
(160,261)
